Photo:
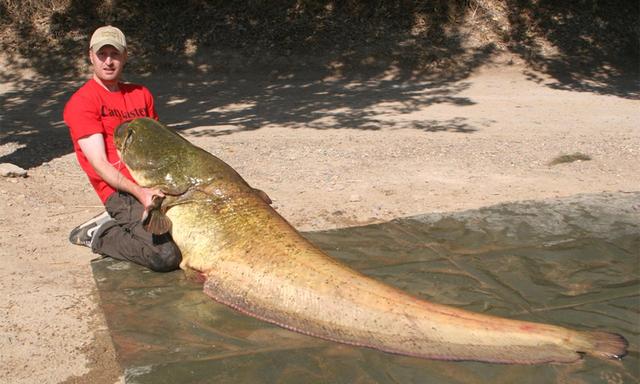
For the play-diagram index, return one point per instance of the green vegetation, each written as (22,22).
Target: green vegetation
(570,158)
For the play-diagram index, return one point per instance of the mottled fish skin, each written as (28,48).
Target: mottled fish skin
(257,263)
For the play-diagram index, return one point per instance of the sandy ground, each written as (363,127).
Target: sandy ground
(331,153)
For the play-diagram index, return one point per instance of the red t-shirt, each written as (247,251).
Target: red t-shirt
(94,109)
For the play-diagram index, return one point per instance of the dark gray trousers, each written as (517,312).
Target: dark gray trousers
(124,238)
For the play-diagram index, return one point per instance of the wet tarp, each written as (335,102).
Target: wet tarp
(572,262)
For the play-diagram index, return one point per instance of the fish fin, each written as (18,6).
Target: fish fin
(606,344)
(158,223)
(263,195)
(154,220)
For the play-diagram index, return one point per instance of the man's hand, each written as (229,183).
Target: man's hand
(145,196)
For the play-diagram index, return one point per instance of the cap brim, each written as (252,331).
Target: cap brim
(96,47)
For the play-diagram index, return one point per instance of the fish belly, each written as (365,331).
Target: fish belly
(257,263)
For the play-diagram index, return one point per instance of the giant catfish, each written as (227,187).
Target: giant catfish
(253,260)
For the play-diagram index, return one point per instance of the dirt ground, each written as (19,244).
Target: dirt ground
(330,152)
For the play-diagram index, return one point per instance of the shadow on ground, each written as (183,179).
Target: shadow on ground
(317,64)
(592,46)
(239,101)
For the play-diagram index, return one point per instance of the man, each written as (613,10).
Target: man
(92,114)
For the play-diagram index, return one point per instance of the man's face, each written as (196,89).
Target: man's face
(108,63)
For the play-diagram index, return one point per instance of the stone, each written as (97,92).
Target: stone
(11,170)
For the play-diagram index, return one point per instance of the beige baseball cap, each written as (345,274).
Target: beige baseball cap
(108,35)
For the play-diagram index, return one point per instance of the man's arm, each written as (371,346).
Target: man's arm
(93,148)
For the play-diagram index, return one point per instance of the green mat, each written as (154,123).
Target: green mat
(573,262)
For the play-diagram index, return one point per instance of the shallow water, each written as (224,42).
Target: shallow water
(572,262)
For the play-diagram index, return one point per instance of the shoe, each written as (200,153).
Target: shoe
(83,234)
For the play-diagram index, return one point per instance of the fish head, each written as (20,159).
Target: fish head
(154,154)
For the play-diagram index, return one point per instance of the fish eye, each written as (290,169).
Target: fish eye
(129,137)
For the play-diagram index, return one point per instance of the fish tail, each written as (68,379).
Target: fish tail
(605,344)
